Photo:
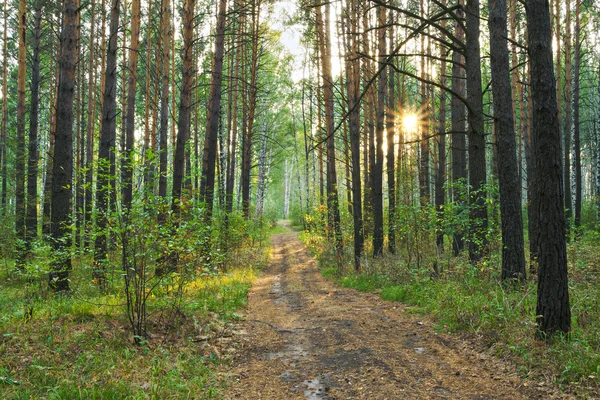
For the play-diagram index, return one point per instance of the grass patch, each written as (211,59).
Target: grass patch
(81,347)
(472,301)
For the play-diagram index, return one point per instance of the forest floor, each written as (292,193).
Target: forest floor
(306,338)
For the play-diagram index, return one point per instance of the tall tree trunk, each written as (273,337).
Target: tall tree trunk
(333,211)
(597,172)
(108,127)
(568,120)
(91,114)
(513,253)
(126,157)
(209,155)
(247,139)
(424,176)
(391,162)
(164,98)
(116,157)
(4,113)
(377,183)
(235,82)
(458,138)
(47,217)
(148,114)
(440,175)
(368,124)
(185,101)
(553,311)
(20,142)
(63,153)
(353,83)
(32,169)
(576,118)
(477,165)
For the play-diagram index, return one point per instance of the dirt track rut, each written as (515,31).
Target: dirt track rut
(306,338)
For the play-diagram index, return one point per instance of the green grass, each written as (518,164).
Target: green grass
(472,301)
(81,346)
(75,348)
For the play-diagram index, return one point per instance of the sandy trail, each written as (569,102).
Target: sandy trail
(306,338)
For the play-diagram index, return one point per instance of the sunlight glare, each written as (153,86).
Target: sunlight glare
(410,122)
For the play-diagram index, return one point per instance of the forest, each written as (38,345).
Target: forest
(200,199)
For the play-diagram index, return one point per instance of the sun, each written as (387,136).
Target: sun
(410,122)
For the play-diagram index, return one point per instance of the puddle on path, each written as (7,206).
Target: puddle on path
(317,388)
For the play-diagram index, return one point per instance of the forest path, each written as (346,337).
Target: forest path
(306,338)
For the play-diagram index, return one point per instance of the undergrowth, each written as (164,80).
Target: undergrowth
(79,346)
(472,301)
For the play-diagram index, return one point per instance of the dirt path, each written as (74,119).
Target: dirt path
(306,338)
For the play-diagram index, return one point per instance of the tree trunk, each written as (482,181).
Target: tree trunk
(333,212)
(576,118)
(108,127)
(32,169)
(477,164)
(63,154)
(391,144)
(147,110)
(513,253)
(91,105)
(459,140)
(553,311)
(185,101)
(207,183)
(424,176)
(4,113)
(233,113)
(126,157)
(247,139)
(377,176)
(568,121)
(353,83)
(164,98)
(20,142)
(440,175)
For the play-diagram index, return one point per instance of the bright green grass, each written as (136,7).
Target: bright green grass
(80,347)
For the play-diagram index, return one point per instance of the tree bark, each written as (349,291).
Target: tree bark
(3,133)
(377,176)
(91,106)
(127,161)
(440,175)
(107,134)
(424,175)
(391,145)
(553,311)
(20,204)
(477,165)
(333,211)
(513,253)
(63,154)
(209,155)
(164,98)
(248,133)
(353,83)
(32,169)
(568,120)
(576,119)
(458,139)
